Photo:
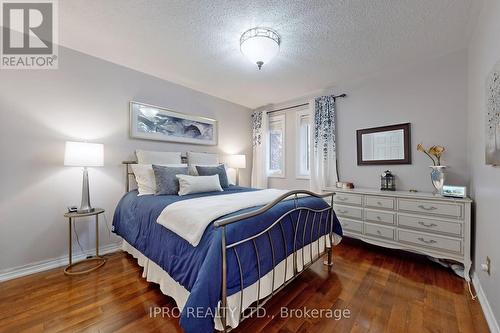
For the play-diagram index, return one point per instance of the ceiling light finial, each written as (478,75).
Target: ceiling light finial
(260,45)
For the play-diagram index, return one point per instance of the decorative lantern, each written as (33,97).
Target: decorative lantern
(387,181)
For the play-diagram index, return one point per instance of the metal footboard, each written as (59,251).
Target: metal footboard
(307,224)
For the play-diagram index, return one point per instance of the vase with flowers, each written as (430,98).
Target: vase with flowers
(437,170)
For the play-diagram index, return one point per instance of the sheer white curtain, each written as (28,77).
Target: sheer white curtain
(260,129)
(323,143)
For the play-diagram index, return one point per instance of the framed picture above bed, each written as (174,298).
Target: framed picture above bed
(156,123)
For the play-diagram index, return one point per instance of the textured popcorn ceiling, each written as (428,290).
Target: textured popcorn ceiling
(195,43)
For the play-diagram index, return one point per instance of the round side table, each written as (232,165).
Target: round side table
(98,259)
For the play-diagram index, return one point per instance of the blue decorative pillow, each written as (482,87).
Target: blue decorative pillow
(166,180)
(218,170)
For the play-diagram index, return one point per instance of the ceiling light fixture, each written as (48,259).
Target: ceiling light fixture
(260,45)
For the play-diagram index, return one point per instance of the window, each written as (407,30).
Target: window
(303,144)
(276,156)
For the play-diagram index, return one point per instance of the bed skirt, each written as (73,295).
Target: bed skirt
(168,286)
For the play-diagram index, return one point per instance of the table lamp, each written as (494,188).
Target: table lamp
(83,154)
(237,162)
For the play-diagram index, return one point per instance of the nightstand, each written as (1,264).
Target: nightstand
(100,260)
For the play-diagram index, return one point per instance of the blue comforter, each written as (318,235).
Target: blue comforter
(198,268)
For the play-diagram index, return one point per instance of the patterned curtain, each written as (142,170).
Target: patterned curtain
(323,155)
(260,126)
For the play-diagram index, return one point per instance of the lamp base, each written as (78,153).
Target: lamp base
(85,210)
(85,205)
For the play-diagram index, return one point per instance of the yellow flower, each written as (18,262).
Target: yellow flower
(432,150)
(438,151)
(434,153)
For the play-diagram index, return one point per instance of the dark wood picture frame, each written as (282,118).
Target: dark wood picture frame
(407,144)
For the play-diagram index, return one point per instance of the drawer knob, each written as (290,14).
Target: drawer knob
(379,232)
(342,211)
(423,240)
(379,218)
(379,203)
(428,225)
(343,198)
(427,208)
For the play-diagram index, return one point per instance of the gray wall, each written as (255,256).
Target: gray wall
(431,96)
(86,98)
(484,52)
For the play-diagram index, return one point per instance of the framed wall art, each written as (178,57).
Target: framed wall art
(156,123)
(493,117)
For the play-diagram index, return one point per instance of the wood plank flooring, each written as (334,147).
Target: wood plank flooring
(384,291)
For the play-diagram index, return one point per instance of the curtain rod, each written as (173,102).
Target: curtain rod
(303,104)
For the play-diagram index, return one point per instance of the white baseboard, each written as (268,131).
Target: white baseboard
(12,273)
(485,305)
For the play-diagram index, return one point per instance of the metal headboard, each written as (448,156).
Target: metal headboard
(128,173)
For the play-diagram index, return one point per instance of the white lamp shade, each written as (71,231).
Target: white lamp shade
(84,154)
(237,161)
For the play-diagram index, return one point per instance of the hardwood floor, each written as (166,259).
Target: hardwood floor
(384,291)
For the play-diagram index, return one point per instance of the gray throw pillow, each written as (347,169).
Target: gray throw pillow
(218,170)
(166,180)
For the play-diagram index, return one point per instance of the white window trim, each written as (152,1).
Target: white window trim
(274,118)
(298,115)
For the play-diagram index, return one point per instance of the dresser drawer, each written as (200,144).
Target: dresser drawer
(379,231)
(430,225)
(429,207)
(430,241)
(348,198)
(380,217)
(351,225)
(348,211)
(379,202)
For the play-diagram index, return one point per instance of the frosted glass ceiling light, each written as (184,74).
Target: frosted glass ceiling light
(260,45)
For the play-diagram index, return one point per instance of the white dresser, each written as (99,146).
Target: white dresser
(419,222)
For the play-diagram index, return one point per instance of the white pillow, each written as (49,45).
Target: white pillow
(198,184)
(231,176)
(202,158)
(145,177)
(158,157)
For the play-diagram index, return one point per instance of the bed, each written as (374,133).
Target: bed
(242,258)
